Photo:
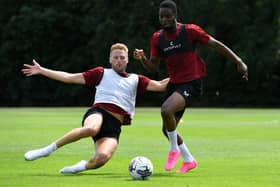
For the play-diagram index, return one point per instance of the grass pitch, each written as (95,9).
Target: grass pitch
(233,147)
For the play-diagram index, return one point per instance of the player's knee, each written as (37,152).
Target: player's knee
(88,131)
(165,111)
(98,161)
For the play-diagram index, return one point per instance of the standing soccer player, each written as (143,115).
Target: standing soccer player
(176,44)
(113,107)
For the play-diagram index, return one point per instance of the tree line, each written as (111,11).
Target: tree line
(75,35)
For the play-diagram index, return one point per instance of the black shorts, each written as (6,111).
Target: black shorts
(188,90)
(111,126)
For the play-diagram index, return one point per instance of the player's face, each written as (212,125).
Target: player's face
(167,18)
(119,60)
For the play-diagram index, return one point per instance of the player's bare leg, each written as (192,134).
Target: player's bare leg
(189,162)
(91,128)
(105,148)
(172,105)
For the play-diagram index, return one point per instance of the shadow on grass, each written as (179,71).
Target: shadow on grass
(111,175)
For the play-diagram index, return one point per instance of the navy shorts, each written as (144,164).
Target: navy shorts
(111,126)
(188,90)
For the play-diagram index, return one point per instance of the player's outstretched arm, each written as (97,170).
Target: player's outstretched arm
(158,86)
(37,69)
(224,50)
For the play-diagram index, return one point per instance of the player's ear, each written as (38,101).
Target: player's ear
(110,59)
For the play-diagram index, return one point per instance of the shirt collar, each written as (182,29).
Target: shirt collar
(123,74)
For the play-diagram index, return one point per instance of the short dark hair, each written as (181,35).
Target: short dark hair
(169,4)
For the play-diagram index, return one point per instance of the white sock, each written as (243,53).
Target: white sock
(172,135)
(186,153)
(51,148)
(37,153)
(80,166)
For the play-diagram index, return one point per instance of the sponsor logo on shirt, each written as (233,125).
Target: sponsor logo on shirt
(172,46)
(186,94)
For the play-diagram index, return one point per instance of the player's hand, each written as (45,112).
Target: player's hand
(243,70)
(139,54)
(30,70)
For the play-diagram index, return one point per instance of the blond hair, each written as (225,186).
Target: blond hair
(120,46)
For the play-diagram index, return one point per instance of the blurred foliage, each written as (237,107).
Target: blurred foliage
(75,35)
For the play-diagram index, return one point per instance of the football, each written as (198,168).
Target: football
(140,168)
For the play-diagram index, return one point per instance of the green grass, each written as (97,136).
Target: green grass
(234,147)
